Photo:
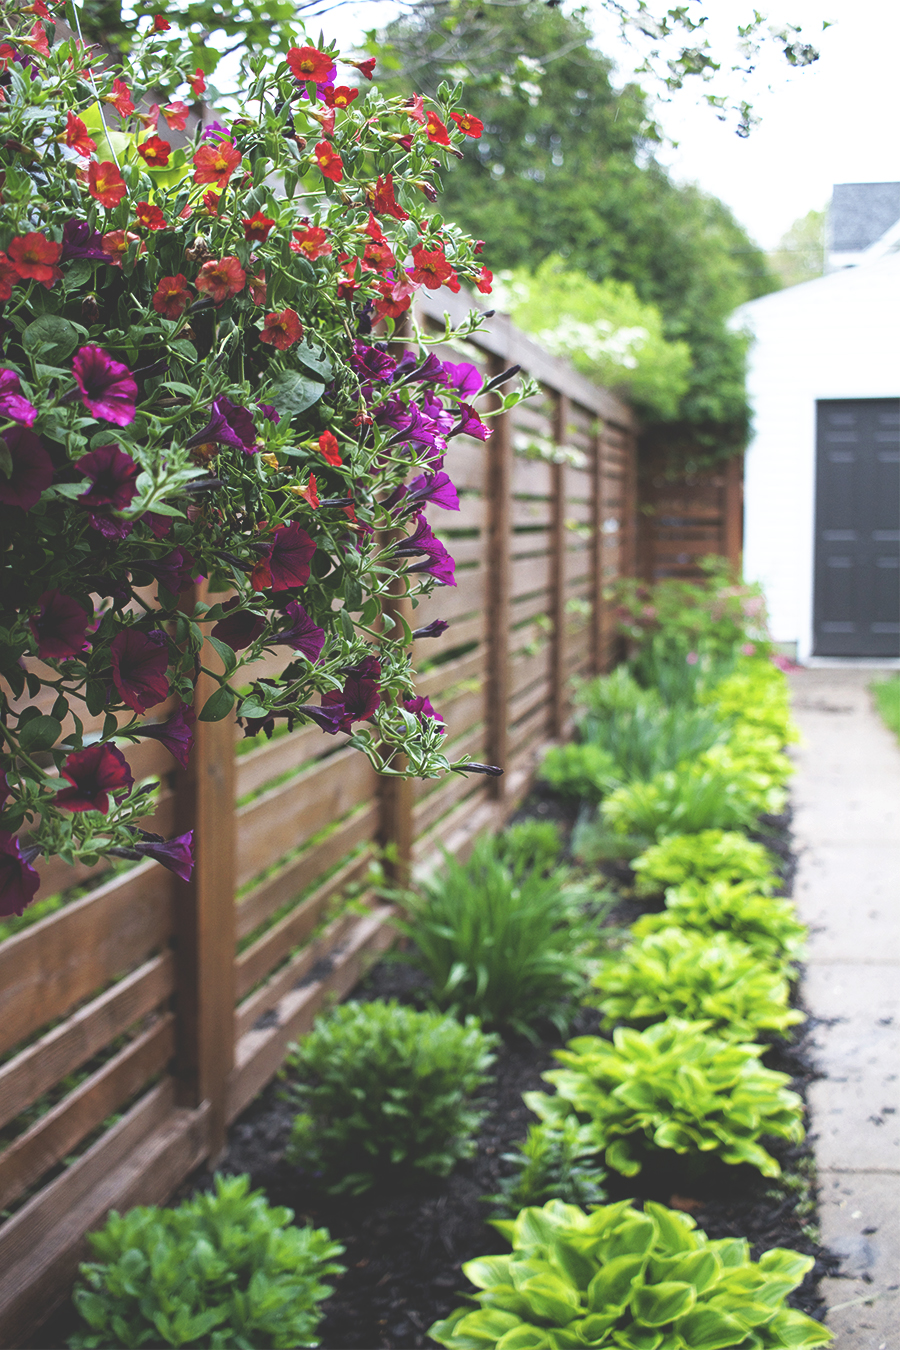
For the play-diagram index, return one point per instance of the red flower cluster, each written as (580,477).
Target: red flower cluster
(155,152)
(282,329)
(221,280)
(431,269)
(311,242)
(150,216)
(215,163)
(341,97)
(120,98)
(76,137)
(308,63)
(34,257)
(328,447)
(468,124)
(172,297)
(106,184)
(258,227)
(329,161)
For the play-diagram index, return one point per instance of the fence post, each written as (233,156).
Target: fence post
(499,588)
(395,795)
(558,673)
(204,917)
(732,524)
(598,543)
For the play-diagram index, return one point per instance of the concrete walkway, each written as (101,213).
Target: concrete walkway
(847,827)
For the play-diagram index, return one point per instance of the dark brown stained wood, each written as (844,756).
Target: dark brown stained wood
(462,711)
(499,587)
(65,1048)
(258,1054)
(139,1161)
(260,766)
(48,969)
(525,670)
(204,915)
(54,1136)
(529,729)
(262,1000)
(457,830)
(524,609)
(283,819)
(454,789)
(733,524)
(293,877)
(557,609)
(256,961)
(395,793)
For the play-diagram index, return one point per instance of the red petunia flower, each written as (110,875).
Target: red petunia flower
(35,256)
(116,242)
(105,183)
(431,268)
(139,662)
(198,82)
(435,129)
(393,300)
(329,161)
(308,63)
(211,201)
(76,137)
(311,242)
(18,879)
(36,40)
(176,114)
(161,23)
(32,469)
(364,67)
(289,560)
(171,297)
(485,278)
(374,230)
(150,119)
(415,110)
(155,152)
(383,200)
(120,98)
(93,773)
(468,124)
(328,448)
(60,625)
(309,493)
(341,97)
(9,277)
(258,227)
(113,476)
(221,280)
(378,257)
(257,288)
(150,217)
(216,163)
(282,329)
(350,284)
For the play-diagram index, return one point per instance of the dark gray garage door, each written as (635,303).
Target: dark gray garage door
(857,569)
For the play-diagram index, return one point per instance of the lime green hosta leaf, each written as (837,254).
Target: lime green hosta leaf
(793,1328)
(709,1329)
(551,1299)
(611,1288)
(656,1305)
(487,1271)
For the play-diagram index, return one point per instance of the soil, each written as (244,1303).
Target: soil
(404,1246)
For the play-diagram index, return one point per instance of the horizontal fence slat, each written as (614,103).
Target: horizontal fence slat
(449,602)
(266,762)
(532,478)
(460,633)
(528,575)
(49,968)
(526,670)
(63,1127)
(68,1046)
(468,667)
(439,802)
(273,824)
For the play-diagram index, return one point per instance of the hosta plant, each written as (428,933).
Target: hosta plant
(673,1086)
(580,770)
(708,855)
(635,1281)
(553,1162)
(697,976)
(385,1089)
(768,926)
(755,695)
(191,387)
(695,796)
(224,1269)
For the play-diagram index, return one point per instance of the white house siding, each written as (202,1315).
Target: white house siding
(837,337)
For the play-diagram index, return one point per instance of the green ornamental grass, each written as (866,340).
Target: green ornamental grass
(629,1280)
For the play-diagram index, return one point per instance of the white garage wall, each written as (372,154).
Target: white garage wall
(837,337)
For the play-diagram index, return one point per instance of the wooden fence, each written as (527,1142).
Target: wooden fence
(684,518)
(137,1021)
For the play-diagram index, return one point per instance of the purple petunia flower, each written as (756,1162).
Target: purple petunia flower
(288,563)
(492,770)
(303,635)
(463,378)
(18,879)
(431,630)
(80,241)
(371,363)
(175,572)
(93,773)
(435,488)
(32,469)
(59,626)
(421,707)
(113,475)
(108,389)
(229,424)
(175,854)
(215,131)
(360,696)
(238,630)
(13,403)
(437,563)
(176,734)
(328,718)
(139,663)
(470,424)
(269,412)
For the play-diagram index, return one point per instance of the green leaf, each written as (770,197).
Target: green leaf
(612,1285)
(292,393)
(218,705)
(226,653)
(41,733)
(52,338)
(551,1298)
(317,362)
(654,1305)
(710,1329)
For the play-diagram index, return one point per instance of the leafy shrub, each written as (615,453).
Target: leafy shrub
(768,926)
(691,797)
(886,693)
(696,976)
(580,770)
(530,844)
(510,947)
(593,841)
(673,1086)
(708,855)
(615,693)
(220,1270)
(553,1163)
(755,695)
(713,618)
(385,1087)
(616,1277)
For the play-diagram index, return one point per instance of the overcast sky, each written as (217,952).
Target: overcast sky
(837,121)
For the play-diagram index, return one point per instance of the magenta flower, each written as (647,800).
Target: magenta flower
(433,629)
(113,475)
(464,379)
(470,424)
(176,734)
(436,488)
(303,635)
(139,662)
(93,773)
(108,389)
(437,562)
(327,717)
(59,626)
(372,363)
(13,403)
(238,630)
(289,560)
(18,879)
(229,424)
(360,696)
(175,854)
(421,707)
(32,469)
